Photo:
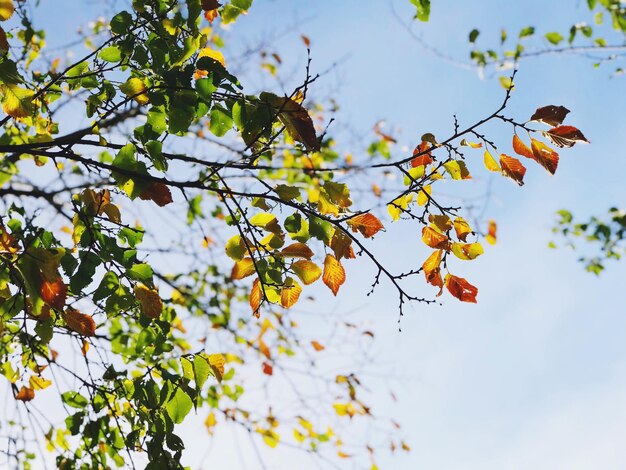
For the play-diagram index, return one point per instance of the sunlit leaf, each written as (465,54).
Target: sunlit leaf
(334,275)
(290,292)
(461,289)
(461,228)
(307,271)
(490,163)
(242,269)
(434,239)
(81,323)
(545,156)
(565,136)
(467,251)
(151,303)
(491,233)
(513,168)
(368,224)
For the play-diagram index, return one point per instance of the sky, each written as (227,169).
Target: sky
(534,375)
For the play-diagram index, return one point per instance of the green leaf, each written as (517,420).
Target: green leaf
(111,54)
(140,272)
(221,121)
(473,35)
(201,369)
(179,406)
(74,399)
(554,37)
(526,32)
(423,9)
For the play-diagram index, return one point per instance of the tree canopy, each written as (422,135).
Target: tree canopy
(160,220)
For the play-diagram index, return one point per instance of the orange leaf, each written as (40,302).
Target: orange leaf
(341,244)
(521,148)
(243,268)
(431,268)
(368,224)
(317,346)
(297,250)
(565,136)
(307,271)
(423,159)
(334,274)
(513,168)
(290,292)
(545,156)
(151,304)
(256,295)
(306,40)
(157,192)
(434,239)
(461,289)
(442,222)
(25,394)
(54,293)
(491,234)
(267,368)
(79,322)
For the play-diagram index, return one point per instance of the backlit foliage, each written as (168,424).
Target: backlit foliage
(166,244)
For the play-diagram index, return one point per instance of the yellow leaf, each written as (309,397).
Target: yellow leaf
(397,206)
(290,292)
(442,222)
(210,422)
(414,174)
(491,233)
(307,271)
(217,361)
(136,89)
(39,383)
(242,269)
(17,102)
(434,239)
(334,275)
(424,195)
(6,9)
(213,54)
(467,251)
(462,228)
(490,163)
(151,304)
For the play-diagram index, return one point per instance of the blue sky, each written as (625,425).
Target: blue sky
(534,375)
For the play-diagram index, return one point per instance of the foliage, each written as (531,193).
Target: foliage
(165,315)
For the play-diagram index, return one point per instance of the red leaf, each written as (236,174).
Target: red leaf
(565,136)
(157,192)
(267,368)
(424,158)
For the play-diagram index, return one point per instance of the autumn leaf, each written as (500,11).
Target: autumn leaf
(551,115)
(565,136)
(520,148)
(317,346)
(295,118)
(8,243)
(434,239)
(491,233)
(4,42)
(441,221)
(54,293)
(423,157)
(136,89)
(208,5)
(216,362)
(432,270)
(307,271)
(242,269)
(256,295)
(157,192)
(25,394)
(268,369)
(305,40)
(6,9)
(490,163)
(545,156)
(79,322)
(368,224)
(461,289)
(424,195)
(17,102)
(513,168)
(39,383)
(334,275)
(151,303)
(467,251)
(341,244)
(297,250)
(212,54)
(290,292)
(474,145)
(462,228)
